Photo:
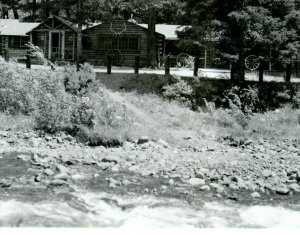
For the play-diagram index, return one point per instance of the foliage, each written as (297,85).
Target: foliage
(17,89)
(42,95)
(242,99)
(180,91)
(79,82)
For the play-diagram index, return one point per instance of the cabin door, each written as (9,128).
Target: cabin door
(56,45)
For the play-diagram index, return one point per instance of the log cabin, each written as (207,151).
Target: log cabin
(121,39)
(13,38)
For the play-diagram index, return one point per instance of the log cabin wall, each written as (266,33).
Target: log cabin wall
(129,38)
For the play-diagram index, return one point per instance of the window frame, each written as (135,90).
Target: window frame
(124,43)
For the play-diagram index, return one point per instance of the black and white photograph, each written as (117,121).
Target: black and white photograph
(149,114)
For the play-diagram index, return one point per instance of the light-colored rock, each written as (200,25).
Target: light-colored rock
(128,146)
(24,157)
(255,195)
(171,182)
(164,187)
(163,143)
(62,176)
(233,186)
(282,189)
(199,174)
(205,188)
(295,187)
(58,182)
(115,168)
(48,172)
(214,185)
(267,173)
(34,142)
(62,169)
(196,181)
(4,143)
(130,157)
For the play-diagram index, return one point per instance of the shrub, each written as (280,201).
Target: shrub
(242,99)
(17,89)
(180,91)
(78,82)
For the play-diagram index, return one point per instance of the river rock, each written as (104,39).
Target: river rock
(24,157)
(196,181)
(130,158)
(34,142)
(115,168)
(62,169)
(255,195)
(143,140)
(62,176)
(58,182)
(295,187)
(110,159)
(5,183)
(4,143)
(282,189)
(128,146)
(171,182)
(200,175)
(163,143)
(205,188)
(267,173)
(48,172)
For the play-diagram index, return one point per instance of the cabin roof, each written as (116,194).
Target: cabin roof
(60,19)
(12,27)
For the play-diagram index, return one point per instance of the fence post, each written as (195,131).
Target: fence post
(288,72)
(261,72)
(167,65)
(109,61)
(196,66)
(136,64)
(28,60)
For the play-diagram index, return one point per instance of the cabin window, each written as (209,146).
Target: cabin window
(18,41)
(121,43)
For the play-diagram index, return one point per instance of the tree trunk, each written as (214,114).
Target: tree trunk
(237,72)
(151,39)
(16,13)
(79,35)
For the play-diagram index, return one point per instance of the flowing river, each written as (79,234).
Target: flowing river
(143,202)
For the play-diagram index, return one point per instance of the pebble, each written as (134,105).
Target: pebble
(196,181)
(48,172)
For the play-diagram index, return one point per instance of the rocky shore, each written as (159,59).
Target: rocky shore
(203,163)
